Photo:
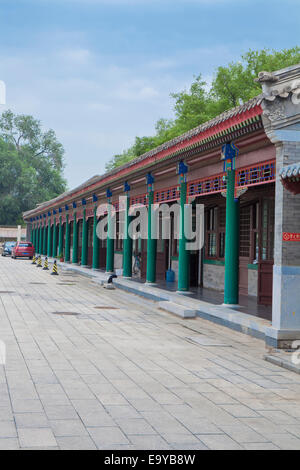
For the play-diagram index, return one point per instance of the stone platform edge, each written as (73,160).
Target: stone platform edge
(224,316)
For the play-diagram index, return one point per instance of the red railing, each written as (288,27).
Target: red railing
(140,200)
(249,176)
(167,194)
(202,186)
(256,174)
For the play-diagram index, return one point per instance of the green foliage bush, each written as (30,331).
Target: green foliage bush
(231,86)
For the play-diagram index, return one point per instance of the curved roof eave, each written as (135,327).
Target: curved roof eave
(217,121)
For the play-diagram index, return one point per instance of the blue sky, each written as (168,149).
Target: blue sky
(100,72)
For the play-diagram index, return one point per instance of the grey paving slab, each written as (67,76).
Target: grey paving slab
(103,436)
(27,406)
(60,412)
(9,444)
(76,443)
(134,426)
(31,420)
(131,378)
(219,442)
(36,437)
(150,442)
(260,446)
(68,427)
(7,429)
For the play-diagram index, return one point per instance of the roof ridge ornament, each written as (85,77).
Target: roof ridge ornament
(266,77)
(281,84)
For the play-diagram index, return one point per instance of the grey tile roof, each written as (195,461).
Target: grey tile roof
(290,171)
(184,137)
(195,131)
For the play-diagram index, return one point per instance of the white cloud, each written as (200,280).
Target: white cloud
(143,2)
(76,56)
(135,90)
(97,106)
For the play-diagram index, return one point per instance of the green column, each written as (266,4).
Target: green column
(184,254)
(60,237)
(84,247)
(95,242)
(41,239)
(54,251)
(75,241)
(231,288)
(49,244)
(151,245)
(67,244)
(37,249)
(110,243)
(127,243)
(45,239)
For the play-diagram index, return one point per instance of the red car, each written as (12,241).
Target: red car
(22,250)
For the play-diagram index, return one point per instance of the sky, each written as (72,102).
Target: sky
(100,72)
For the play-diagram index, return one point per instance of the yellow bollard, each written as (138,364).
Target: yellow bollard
(46,268)
(39,262)
(33,260)
(54,269)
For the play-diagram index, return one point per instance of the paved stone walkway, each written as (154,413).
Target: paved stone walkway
(129,376)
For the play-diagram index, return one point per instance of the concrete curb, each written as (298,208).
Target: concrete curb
(281,362)
(219,314)
(177,309)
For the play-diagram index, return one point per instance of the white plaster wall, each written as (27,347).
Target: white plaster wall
(252,282)
(213,276)
(174,267)
(118,260)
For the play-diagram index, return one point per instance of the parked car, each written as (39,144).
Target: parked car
(23,250)
(7,248)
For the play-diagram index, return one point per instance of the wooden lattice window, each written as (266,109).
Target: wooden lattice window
(255,233)
(90,222)
(245,213)
(215,218)
(267,229)
(119,232)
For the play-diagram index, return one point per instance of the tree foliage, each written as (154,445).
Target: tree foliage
(232,85)
(31,166)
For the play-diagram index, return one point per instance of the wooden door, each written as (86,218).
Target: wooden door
(266,258)
(71,240)
(194,268)
(90,223)
(161,260)
(102,254)
(79,249)
(144,259)
(244,250)
(265,282)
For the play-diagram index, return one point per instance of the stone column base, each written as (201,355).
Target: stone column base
(281,339)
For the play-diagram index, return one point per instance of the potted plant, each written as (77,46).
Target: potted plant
(61,257)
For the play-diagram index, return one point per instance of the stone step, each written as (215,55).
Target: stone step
(177,309)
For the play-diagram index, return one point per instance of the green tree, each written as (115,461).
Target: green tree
(31,166)
(235,83)
(232,85)
(192,107)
